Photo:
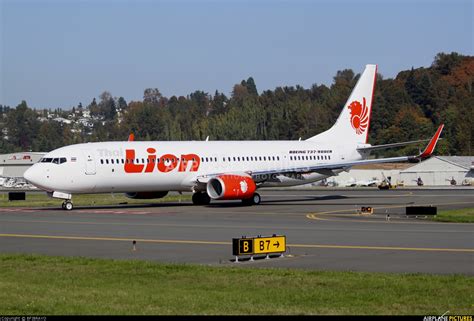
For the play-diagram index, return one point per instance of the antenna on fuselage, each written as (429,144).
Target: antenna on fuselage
(207,138)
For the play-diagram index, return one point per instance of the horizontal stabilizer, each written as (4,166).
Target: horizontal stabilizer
(394,145)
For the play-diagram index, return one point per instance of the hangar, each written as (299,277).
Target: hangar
(441,170)
(435,171)
(12,167)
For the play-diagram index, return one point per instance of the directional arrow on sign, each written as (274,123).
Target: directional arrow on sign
(277,244)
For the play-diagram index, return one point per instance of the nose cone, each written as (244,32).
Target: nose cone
(31,175)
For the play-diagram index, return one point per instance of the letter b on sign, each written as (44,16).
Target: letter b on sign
(246,246)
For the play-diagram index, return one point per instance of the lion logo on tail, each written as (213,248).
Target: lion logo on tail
(359,116)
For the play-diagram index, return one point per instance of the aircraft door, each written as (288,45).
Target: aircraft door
(90,162)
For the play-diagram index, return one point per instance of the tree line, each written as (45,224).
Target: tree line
(408,107)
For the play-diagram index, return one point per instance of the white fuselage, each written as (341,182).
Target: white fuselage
(176,166)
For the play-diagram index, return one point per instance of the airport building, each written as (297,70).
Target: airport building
(441,170)
(12,167)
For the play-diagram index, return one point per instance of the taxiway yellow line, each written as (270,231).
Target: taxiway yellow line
(323,246)
(317,216)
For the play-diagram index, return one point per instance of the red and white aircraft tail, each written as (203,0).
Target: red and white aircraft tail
(352,125)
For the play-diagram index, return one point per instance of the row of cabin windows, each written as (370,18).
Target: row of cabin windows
(138,160)
(203,159)
(311,157)
(214,159)
(244,158)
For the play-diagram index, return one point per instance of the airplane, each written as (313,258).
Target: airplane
(351,182)
(217,170)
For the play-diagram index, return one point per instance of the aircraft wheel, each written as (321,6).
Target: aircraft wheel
(247,201)
(206,200)
(68,205)
(256,199)
(200,198)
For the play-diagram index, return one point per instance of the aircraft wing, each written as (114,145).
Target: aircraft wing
(326,169)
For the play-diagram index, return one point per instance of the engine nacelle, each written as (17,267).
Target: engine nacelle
(231,187)
(146,195)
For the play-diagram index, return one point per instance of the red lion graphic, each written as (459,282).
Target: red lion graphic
(359,116)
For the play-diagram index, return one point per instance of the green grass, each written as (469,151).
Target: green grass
(42,285)
(42,200)
(464,215)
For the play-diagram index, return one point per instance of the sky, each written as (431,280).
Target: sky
(59,53)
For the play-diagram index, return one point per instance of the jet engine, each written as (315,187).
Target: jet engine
(231,187)
(146,195)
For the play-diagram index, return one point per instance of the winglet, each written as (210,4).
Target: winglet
(131,137)
(432,144)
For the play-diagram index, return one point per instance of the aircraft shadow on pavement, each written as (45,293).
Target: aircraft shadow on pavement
(121,206)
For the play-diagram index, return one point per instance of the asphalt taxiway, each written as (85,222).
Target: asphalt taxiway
(323,231)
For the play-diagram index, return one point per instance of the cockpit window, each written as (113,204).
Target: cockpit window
(58,160)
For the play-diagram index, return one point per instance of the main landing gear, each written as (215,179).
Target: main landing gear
(254,200)
(200,198)
(67,205)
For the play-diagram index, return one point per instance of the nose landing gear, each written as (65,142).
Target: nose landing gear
(67,205)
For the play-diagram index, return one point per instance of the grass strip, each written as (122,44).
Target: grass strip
(44,285)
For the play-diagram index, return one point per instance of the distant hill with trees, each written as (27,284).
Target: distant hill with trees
(408,107)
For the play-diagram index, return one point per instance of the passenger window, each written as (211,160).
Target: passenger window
(123,161)
(101,161)
(106,161)
(112,161)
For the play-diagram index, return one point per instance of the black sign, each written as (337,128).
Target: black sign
(421,210)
